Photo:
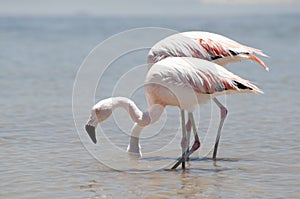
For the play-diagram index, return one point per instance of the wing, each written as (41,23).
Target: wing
(202,76)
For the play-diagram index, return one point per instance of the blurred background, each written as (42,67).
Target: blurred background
(142,8)
(44,42)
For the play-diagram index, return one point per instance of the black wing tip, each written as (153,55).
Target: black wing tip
(242,86)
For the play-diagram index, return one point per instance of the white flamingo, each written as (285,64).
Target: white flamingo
(209,46)
(184,82)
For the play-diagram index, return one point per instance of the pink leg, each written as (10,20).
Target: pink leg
(188,127)
(223,114)
(195,146)
(183,143)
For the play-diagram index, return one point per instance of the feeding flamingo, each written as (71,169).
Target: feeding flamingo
(184,82)
(209,46)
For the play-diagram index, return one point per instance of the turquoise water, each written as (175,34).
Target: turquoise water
(43,157)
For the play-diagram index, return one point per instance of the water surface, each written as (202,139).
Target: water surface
(43,157)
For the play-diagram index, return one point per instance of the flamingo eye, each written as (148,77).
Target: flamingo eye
(97,112)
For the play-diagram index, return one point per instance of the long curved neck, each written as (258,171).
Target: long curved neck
(103,109)
(138,116)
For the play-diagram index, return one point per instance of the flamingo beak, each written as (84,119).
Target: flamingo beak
(92,133)
(256,59)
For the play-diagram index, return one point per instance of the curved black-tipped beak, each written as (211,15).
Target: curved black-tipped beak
(92,133)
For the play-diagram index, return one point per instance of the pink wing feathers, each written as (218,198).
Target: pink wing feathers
(203,76)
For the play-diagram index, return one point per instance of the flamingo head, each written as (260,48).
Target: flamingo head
(98,115)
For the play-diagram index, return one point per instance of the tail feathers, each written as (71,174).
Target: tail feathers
(244,85)
(256,59)
(249,53)
(236,85)
(259,52)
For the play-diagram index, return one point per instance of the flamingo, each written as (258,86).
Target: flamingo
(203,45)
(209,46)
(184,82)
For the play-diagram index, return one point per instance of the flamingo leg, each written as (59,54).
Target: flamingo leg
(183,143)
(223,114)
(196,144)
(188,136)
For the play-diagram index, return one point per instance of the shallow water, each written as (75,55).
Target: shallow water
(43,157)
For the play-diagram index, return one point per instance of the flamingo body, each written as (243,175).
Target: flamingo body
(184,82)
(191,81)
